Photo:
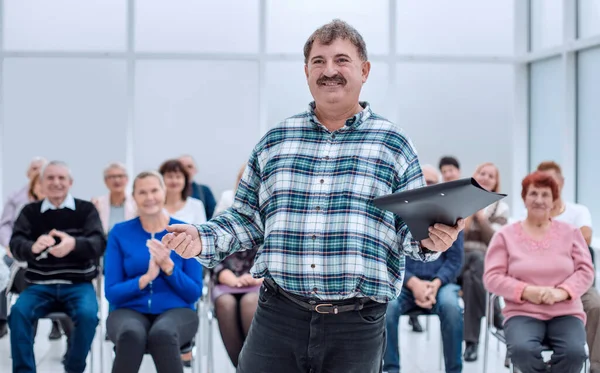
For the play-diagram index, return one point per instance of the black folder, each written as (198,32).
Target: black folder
(440,203)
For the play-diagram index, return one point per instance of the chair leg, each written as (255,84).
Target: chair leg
(511,367)
(427,328)
(210,362)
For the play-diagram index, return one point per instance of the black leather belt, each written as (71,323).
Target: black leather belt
(323,307)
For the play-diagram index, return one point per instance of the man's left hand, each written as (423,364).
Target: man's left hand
(441,236)
(66,245)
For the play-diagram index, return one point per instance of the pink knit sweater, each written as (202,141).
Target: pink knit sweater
(561,259)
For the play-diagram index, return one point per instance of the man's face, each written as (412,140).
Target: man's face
(56,182)
(34,168)
(560,180)
(116,180)
(189,165)
(335,73)
(450,173)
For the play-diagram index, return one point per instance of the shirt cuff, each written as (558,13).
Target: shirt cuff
(568,290)
(208,241)
(518,293)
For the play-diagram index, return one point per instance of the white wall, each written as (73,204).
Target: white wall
(209,77)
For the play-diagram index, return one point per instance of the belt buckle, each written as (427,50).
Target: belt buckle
(335,311)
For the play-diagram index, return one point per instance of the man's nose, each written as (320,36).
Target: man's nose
(330,70)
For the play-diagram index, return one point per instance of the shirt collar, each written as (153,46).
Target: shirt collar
(68,203)
(351,123)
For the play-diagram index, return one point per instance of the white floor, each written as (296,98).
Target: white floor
(420,353)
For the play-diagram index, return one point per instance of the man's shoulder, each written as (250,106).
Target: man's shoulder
(83,205)
(577,208)
(32,208)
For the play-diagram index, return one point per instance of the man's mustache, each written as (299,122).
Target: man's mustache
(331,79)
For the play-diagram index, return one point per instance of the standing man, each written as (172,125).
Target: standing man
(450,168)
(199,191)
(61,239)
(579,216)
(330,259)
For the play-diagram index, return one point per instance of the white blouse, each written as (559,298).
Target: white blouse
(192,212)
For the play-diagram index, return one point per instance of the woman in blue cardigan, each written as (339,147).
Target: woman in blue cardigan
(151,290)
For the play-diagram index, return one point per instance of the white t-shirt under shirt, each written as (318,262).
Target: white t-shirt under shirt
(192,212)
(576,215)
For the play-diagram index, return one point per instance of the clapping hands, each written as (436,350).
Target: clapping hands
(544,295)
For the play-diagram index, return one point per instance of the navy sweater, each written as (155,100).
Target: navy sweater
(447,267)
(127,259)
(83,224)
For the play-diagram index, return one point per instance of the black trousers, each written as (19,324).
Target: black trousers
(289,339)
(162,336)
(471,281)
(565,335)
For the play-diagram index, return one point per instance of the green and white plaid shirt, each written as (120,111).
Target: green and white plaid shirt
(305,197)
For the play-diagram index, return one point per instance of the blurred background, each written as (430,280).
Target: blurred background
(89,82)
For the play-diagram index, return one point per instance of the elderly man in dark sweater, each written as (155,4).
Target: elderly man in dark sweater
(432,287)
(61,239)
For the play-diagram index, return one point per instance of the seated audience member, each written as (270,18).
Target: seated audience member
(542,267)
(179,204)
(431,177)
(430,286)
(61,239)
(579,216)
(10,212)
(450,169)
(199,191)
(117,205)
(479,229)
(235,295)
(152,290)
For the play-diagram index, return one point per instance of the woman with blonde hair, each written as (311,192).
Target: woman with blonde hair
(479,229)
(152,291)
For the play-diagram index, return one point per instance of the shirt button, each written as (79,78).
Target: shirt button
(315,290)
(333,136)
(314,237)
(327,157)
(312,266)
(318,208)
(321,181)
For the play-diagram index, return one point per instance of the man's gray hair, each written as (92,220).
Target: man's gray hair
(330,32)
(151,173)
(114,165)
(55,163)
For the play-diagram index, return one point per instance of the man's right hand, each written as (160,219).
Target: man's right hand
(184,239)
(44,241)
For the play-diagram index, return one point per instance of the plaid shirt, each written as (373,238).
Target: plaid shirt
(306,198)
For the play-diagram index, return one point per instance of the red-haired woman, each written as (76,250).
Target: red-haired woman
(541,267)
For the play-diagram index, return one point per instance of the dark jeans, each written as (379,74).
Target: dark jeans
(135,333)
(286,338)
(451,321)
(565,335)
(76,300)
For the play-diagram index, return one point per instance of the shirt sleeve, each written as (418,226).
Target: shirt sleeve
(582,278)
(118,288)
(495,277)
(238,228)
(410,176)
(584,218)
